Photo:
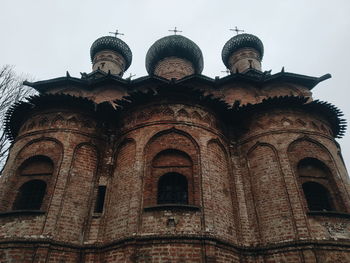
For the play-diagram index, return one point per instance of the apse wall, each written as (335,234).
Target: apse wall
(64,209)
(275,143)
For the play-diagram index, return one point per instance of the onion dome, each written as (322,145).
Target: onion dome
(178,51)
(117,57)
(243,42)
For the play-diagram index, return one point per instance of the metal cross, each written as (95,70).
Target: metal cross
(237,30)
(175,31)
(116,33)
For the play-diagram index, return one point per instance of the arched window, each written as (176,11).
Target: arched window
(172,189)
(318,185)
(36,165)
(30,195)
(317,197)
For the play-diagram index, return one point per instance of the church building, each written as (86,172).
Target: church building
(175,166)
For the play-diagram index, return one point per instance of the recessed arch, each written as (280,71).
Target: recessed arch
(172,158)
(313,163)
(307,139)
(218,178)
(171,151)
(37,165)
(45,146)
(121,145)
(122,188)
(82,173)
(312,167)
(221,145)
(266,182)
(23,166)
(315,149)
(169,131)
(261,144)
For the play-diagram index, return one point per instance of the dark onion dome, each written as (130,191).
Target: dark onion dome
(114,44)
(174,46)
(241,41)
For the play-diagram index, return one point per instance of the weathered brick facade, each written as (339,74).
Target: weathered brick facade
(264,177)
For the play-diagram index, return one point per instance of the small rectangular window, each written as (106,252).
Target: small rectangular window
(100,200)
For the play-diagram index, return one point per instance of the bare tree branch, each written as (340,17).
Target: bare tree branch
(11,90)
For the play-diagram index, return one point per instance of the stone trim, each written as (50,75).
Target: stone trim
(189,239)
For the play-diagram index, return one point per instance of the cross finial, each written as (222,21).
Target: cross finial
(116,33)
(237,30)
(175,31)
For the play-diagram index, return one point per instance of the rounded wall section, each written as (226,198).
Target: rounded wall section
(59,120)
(244,59)
(67,138)
(171,114)
(317,174)
(169,145)
(109,61)
(285,120)
(274,144)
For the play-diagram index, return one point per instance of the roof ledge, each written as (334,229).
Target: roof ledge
(324,77)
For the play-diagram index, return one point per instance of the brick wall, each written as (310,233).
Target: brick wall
(245,199)
(76,208)
(269,195)
(218,192)
(121,194)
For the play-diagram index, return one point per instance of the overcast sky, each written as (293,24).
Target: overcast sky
(45,38)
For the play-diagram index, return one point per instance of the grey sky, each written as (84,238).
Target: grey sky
(44,38)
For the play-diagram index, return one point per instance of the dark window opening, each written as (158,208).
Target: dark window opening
(317,197)
(30,195)
(101,193)
(172,189)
